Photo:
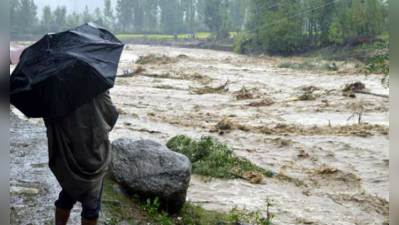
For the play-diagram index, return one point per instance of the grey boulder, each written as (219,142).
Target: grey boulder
(151,170)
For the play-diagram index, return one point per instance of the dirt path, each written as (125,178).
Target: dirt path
(336,172)
(33,188)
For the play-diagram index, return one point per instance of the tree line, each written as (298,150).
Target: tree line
(275,25)
(286,25)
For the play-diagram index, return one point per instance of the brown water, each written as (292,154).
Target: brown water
(356,193)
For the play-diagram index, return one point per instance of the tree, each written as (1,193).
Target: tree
(98,14)
(335,33)
(87,17)
(379,63)
(108,19)
(28,16)
(373,17)
(169,10)
(15,7)
(60,17)
(283,35)
(124,9)
(138,15)
(47,21)
(190,8)
(150,9)
(216,18)
(236,12)
(73,20)
(326,18)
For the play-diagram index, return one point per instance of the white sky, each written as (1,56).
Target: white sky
(72,5)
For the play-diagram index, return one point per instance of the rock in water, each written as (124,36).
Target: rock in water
(151,170)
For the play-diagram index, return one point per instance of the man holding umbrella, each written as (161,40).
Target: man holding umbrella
(64,78)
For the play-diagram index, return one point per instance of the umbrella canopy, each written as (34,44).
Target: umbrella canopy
(63,71)
(15,53)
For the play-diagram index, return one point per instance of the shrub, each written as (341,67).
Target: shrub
(211,158)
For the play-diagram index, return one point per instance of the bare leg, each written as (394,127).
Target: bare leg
(61,216)
(89,222)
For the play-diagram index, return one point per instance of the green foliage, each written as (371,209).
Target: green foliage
(211,158)
(290,26)
(379,64)
(335,33)
(108,14)
(113,220)
(23,17)
(384,36)
(60,19)
(287,35)
(243,42)
(216,18)
(152,207)
(252,217)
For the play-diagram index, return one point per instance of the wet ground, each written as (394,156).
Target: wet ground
(330,169)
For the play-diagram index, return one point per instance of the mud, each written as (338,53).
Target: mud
(329,170)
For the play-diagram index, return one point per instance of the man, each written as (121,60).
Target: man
(79,153)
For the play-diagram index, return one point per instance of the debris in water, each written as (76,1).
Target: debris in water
(357,86)
(210,90)
(349,94)
(310,88)
(327,170)
(253,177)
(358,110)
(308,96)
(139,70)
(155,59)
(203,79)
(121,111)
(226,124)
(245,94)
(263,102)
(182,56)
(169,87)
(302,153)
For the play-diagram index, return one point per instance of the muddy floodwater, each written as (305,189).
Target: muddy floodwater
(330,169)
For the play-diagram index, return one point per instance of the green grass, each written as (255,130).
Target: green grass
(384,36)
(373,46)
(135,211)
(211,158)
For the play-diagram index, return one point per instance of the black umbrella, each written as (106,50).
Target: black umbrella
(63,71)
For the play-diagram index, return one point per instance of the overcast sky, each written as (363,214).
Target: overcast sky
(72,5)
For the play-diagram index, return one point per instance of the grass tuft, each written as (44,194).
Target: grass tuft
(213,159)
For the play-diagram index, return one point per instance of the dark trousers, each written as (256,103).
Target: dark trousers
(66,202)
